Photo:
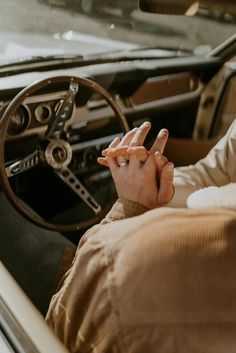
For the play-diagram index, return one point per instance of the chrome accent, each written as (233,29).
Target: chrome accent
(58,154)
(72,181)
(25,164)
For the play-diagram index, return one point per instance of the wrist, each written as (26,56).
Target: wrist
(124,208)
(132,208)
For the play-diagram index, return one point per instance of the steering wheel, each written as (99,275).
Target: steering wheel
(53,151)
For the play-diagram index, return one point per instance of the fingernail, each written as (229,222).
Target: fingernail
(170,167)
(163,133)
(104,152)
(133,129)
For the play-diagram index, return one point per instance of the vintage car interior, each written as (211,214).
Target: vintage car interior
(59,111)
(22,328)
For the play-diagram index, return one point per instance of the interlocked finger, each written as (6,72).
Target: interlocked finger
(140,152)
(160,160)
(115,142)
(123,159)
(119,150)
(135,140)
(160,141)
(140,134)
(134,162)
(166,184)
(103,160)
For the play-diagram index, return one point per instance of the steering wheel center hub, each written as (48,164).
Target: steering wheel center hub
(58,154)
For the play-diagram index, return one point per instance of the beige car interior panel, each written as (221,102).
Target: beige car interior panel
(19,315)
(209,102)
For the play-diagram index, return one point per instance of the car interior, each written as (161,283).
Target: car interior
(55,120)
(22,328)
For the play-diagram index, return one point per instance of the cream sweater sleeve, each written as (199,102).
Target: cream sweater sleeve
(216,169)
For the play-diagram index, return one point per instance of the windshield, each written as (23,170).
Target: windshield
(82,27)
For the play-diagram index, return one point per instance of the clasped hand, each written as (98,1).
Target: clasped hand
(140,175)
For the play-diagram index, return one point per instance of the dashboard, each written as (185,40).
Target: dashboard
(165,92)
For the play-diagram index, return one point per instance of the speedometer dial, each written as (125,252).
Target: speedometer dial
(19,121)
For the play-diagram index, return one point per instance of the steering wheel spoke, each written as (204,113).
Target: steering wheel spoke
(72,181)
(63,113)
(20,166)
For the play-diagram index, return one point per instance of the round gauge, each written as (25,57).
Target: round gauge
(43,113)
(19,121)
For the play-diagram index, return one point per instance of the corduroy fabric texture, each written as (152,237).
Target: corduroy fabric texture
(163,281)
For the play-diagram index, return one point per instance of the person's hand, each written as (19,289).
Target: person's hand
(130,149)
(119,148)
(137,181)
(132,144)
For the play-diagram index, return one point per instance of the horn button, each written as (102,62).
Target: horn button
(58,154)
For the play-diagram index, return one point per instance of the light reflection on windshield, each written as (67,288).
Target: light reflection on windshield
(119,20)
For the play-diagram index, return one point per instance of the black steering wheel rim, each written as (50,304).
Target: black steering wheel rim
(4,123)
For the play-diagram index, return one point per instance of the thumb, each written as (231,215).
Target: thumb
(160,160)
(113,166)
(166,188)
